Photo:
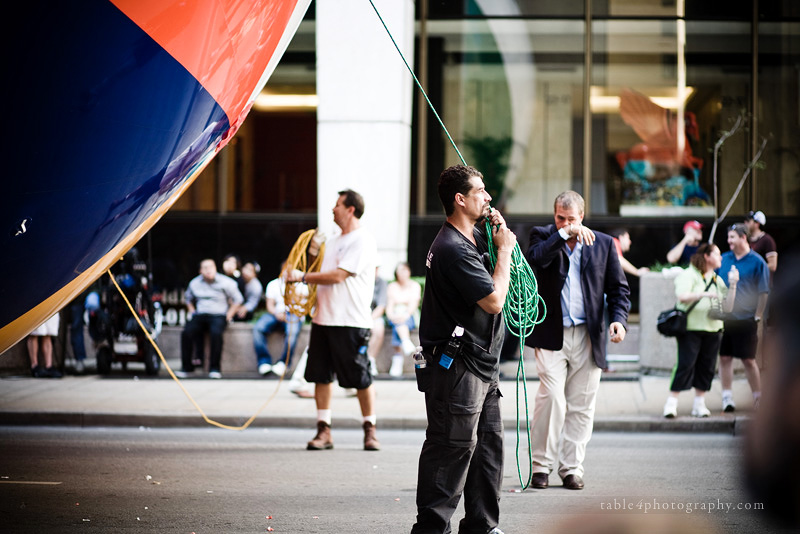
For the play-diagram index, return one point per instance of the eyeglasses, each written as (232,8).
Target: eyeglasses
(739,228)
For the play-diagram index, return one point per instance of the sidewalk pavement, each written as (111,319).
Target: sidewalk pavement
(626,402)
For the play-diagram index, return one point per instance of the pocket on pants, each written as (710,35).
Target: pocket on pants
(464,408)
(463,422)
(491,415)
(423,378)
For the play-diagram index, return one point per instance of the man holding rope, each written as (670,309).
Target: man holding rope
(461,332)
(341,326)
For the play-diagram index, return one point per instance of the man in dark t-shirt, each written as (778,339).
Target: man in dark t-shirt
(460,279)
(461,333)
(761,242)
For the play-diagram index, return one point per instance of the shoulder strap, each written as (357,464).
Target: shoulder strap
(690,308)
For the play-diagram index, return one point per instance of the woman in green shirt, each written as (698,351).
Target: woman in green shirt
(698,348)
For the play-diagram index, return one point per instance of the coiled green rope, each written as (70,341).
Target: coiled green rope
(521,315)
(523,302)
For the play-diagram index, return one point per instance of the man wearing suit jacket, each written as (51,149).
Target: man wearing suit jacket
(577,270)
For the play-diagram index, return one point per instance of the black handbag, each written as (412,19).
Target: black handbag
(672,322)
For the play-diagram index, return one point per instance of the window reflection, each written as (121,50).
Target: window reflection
(512,99)
(655,161)
(507,78)
(778,184)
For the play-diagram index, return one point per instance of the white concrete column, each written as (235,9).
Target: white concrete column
(364,117)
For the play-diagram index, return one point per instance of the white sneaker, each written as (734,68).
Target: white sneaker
(264,369)
(408,347)
(396,370)
(699,408)
(279,368)
(79,367)
(373,367)
(727,403)
(183,374)
(671,407)
(297,385)
(214,374)
(495,530)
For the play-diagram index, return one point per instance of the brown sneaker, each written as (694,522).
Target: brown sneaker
(371,442)
(323,438)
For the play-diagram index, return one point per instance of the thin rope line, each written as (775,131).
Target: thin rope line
(177,380)
(521,308)
(418,84)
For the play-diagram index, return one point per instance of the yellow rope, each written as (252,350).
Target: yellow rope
(176,379)
(297,304)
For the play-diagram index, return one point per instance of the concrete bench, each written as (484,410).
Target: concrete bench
(239,357)
(238,354)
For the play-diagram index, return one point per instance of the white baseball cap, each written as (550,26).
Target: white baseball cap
(757,216)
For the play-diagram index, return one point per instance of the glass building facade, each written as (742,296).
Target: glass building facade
(620,100)
(623,101)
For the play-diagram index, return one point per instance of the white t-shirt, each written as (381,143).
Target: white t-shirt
(275,291)
(348,303)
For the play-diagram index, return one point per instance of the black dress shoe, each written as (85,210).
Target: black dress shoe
(540,480)
(573,482)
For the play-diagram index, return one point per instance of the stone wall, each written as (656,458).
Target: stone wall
(238,356)
(656,294)
(15,360)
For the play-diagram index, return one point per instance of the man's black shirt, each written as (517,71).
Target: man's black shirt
(457,277)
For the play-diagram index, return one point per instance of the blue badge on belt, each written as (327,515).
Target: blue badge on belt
(445,361)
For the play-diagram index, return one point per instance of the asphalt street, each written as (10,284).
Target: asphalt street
(57,479)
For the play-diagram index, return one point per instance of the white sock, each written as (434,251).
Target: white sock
(727,393)
(324,416)
(371,419)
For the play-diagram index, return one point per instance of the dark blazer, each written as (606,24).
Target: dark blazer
(601,274)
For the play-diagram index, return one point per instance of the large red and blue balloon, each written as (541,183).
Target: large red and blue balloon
(111,109)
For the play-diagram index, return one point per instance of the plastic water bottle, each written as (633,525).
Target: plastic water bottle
(419,359)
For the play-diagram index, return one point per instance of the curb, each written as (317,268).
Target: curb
(709,425)
(712,425)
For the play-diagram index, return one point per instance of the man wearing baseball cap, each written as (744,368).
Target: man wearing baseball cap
(683,251)
(760,241)
(743,329)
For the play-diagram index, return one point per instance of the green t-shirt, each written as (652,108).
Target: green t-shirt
(692,281)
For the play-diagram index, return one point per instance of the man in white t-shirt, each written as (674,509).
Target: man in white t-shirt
(341,326)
